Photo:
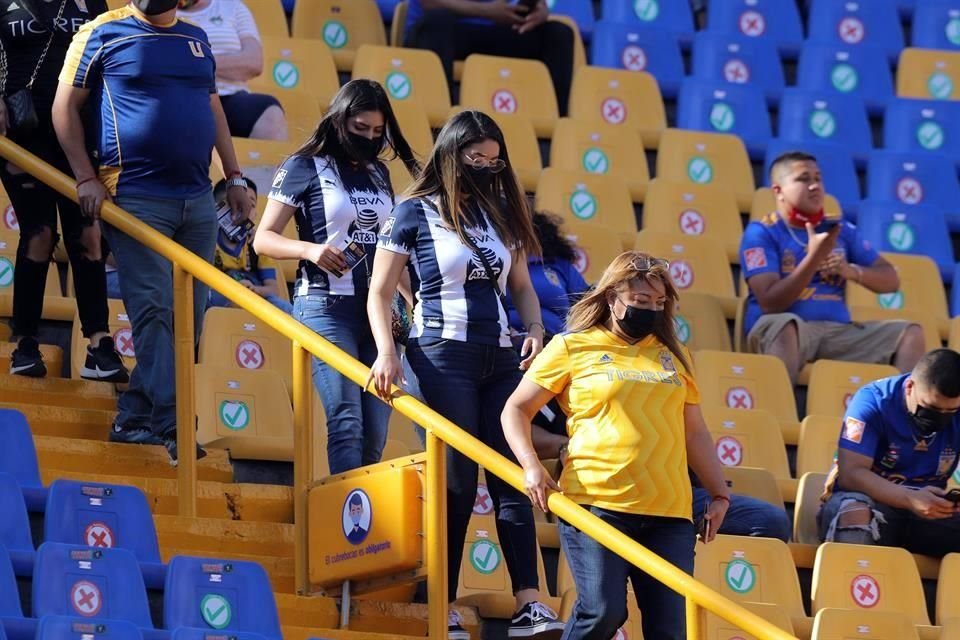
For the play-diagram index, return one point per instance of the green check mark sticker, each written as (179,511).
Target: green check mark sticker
(844,78)
(234,414)
(646,10)
(900,236)
(399,85)
(930,135)
(6,273)
(286,74)
(721,117)
(952,31)
(700,170)
(335,34)
(683,328)
(956,476)
(890,300)
(940,85)
(215,611)
(485,556)
(740,576)
(822,123)
(595,161)
(583,205)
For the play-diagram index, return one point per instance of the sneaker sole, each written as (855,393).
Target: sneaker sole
(458,635)
(123,439)
(115,375)
(542,631)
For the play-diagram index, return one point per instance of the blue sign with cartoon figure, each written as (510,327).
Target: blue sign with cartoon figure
(357,515)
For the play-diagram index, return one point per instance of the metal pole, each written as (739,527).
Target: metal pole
(345,605)
(302,464)
(693,619)
(186,416)
(436,540)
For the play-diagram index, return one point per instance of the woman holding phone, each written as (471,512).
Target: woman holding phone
(339,191)
(625,383)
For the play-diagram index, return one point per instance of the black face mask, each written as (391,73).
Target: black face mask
(155,7)
(638,323)
(367,148)
(482,177)
(930,421)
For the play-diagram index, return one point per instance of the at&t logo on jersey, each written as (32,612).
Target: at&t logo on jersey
(367,225)
(478,271)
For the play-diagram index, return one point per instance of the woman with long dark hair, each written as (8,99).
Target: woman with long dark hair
(464,233)
(339,190)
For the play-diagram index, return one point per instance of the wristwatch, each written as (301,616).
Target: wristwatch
(236,180)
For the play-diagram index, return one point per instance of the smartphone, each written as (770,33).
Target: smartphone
(953,496)
(828,224)
(353,253)
(703,527)
(235,232)
(529,4)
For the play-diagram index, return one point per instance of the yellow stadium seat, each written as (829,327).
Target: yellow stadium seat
(234,338)
(270,18)
(395,449)
(817,450)
(764,202)
(52,357)
(595,246)
(628,99)
(805,508)
(116,4)
(716,628)
(400,177)
(697,264)
(748,439)
(747,569)
(832,624)
(259,159)
(297,63)
(342,25)
(302,111)
(523,148)
(408,75)
(415,126)
(700,322)
(954,340)
(757,483)
(694,210)
(930,74)
(120,330)
(601,148)
(245,411)
(587,198)
(510,86)
(398,24)
(948,582)
(833,383)
(858,577)
(929,324)
(707,158)
(401,429)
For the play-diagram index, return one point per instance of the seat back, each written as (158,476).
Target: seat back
(925,126)
(190,633)
(836,166)
(716,628)
(595,247)
(259,159)
(805,530)
(672,17)
(302,112)
(270,18)
(511,86)
(755,482)
(234,338)
(930,74)
(76,628)
(697,264)
(912,178)
(704,158)
(872,625)
(746,381)
(720,107)
(694,210)
(627,99)
(821,116)
(921,289)
(15,526)
(634,48)
(342,25)
(767,21)
(297,64)
(948,581)
(590,198)
(18,457)
(935,25)
(861,71)
(733,59)
(223,595)
(521,140)
(9,593)
(918,230)
(603,149)
(747,439)
(833,383)
(853,24)
(700,322)
(407,75)
(73,580)
(817,450)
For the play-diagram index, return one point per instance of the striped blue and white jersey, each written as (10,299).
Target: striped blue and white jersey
(455,298)
(336,203)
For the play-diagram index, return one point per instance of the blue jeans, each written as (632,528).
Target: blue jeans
(146,285)
(747,516)
(356,421)
(469,385)
(601,577)
(217,299)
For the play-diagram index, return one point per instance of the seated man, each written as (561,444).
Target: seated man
(898,447)
(797,264)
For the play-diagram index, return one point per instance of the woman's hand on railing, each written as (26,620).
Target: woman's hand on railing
(385,370)
(537,481)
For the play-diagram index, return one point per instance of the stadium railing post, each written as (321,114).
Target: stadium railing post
(183,341)
(436,539)
(302,463)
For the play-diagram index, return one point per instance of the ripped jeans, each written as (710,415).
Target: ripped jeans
(888,526)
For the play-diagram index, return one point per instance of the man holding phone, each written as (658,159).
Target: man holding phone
(797,263)
(898,447)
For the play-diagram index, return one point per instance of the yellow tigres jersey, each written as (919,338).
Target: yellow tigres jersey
(625,405)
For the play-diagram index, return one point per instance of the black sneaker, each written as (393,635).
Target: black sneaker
(104,363)
(535,620)
(27,360)
(455,630)
(170,442)
(133,434)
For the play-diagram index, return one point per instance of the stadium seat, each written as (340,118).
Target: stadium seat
(915,178)
(817,450)
(342,25)
(716,628)
(188,633)
(580,11)
(673,17)
(120,330)
(73,580)
(415,124)
(634,48)
(595,247)
(747,439)
(833,384)
(929,74)
(19,458)
(414,75)
(387,8)
(628,99)
(836,166)
(719,58)
(232,596)
(831,623)
(9,594)
(259,159)
(707,158)
(694,210)
(860,71)
(809,490)
(765,203)
(819,116)
(270,19)
(297,64)
(524,150)
(700,322)
(511,86)
(851,24)
(697,264)
(857,577)
(302,111)
(245,411)
(925,126)
(233,337)
(601,148)
(76,628)
(930,327)
(55,305)
(586,197)
(719,107)
(772,21)
(398,23)
(919,230)
(948,581)
(104,516)
(15,528)
(760,484)
(935,25)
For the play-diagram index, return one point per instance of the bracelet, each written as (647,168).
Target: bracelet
(536,324)
(562,450)
(85,181)
(859,271)
(724,498)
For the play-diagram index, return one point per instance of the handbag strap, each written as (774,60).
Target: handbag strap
(43,54)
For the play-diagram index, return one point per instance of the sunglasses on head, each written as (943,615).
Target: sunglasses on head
(649,263)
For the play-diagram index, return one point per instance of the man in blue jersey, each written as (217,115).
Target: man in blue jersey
(152,78)
(797,264)
(898,447)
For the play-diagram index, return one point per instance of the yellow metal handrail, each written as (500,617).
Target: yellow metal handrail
(188,265)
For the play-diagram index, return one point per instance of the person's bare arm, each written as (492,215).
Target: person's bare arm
(269,241)
(775,294)
(880,277)
(521,406)
(500,11)
(243,65)
(702,458)
(236,196)
(546,443)
(528,306)
(856,474)
(68,124)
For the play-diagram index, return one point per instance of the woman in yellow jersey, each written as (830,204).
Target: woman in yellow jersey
(625,383)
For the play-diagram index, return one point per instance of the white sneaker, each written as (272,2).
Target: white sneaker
(455,630)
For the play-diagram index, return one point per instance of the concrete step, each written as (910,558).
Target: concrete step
(67,422)
(58,392)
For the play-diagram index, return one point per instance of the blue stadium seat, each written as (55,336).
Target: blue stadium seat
(580,10)
(669,15)
(69,628)
(912,178)
(955,294)
(232,596)
(386,9)
(860,71)
(845,23)
(190,633)
(15,526)
(105,516)
(19,458)
(892,227)
(9,595)
(817,116)
(627,46)
(927,126)
(773,21)
(719,107)
(836,165)
(71,580)
(936,25)
(738,61)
